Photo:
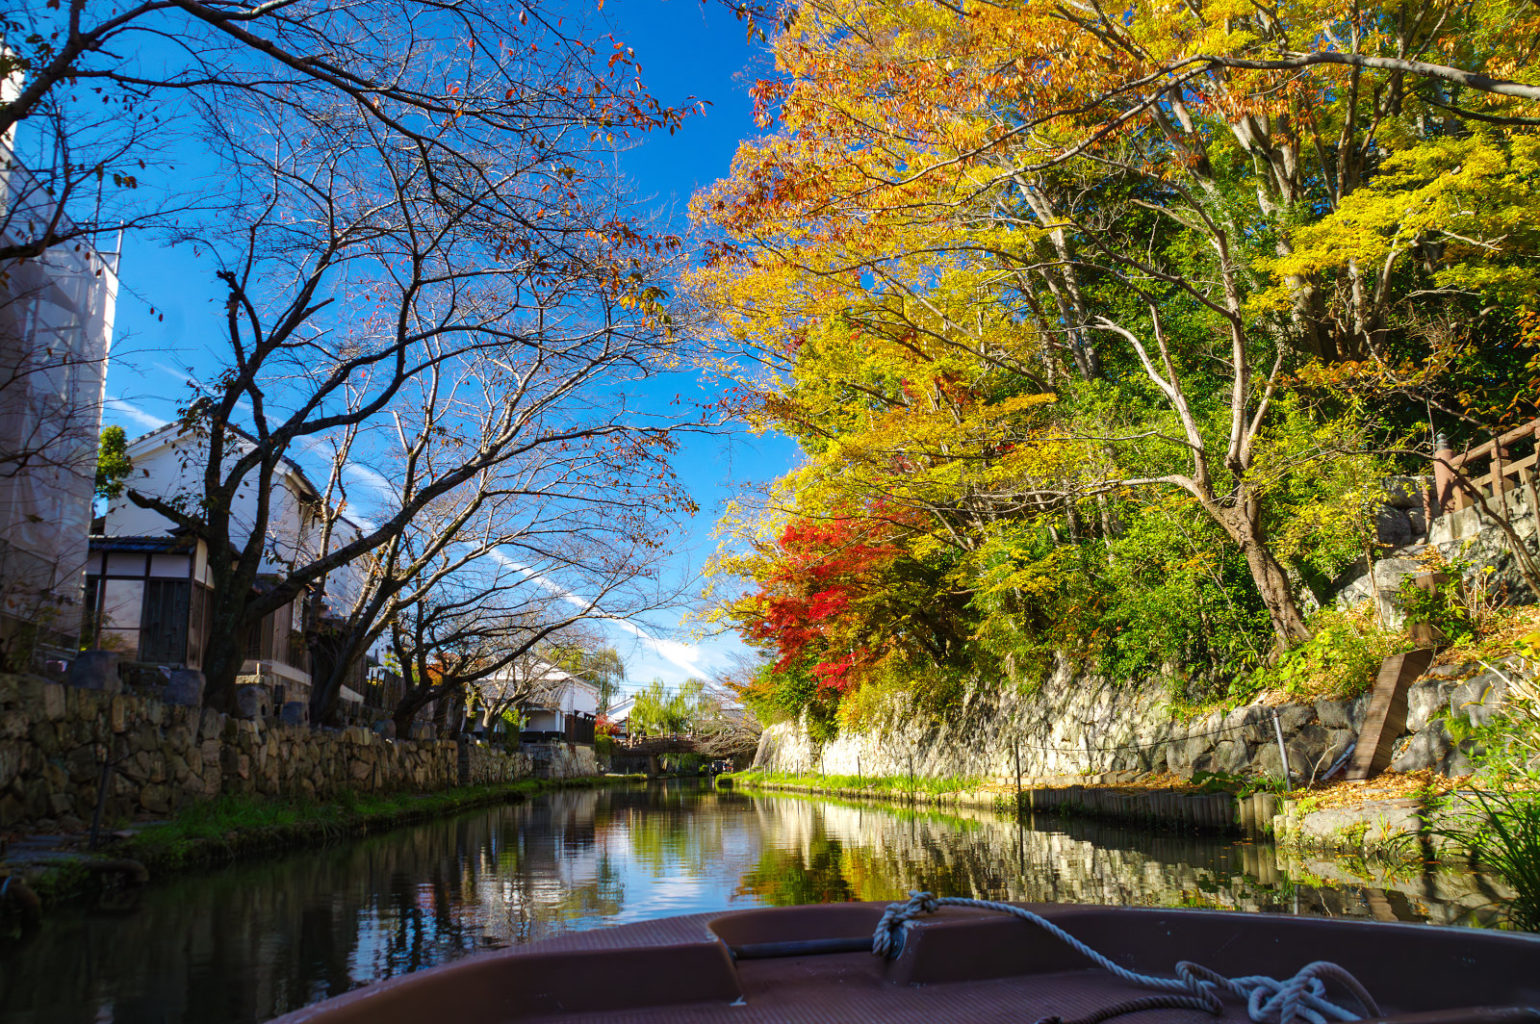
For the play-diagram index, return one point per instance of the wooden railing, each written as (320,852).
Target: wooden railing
(1492,469)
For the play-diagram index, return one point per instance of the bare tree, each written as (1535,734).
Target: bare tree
(489,627)
(460,272)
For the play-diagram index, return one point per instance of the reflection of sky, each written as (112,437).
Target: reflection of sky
(254,940)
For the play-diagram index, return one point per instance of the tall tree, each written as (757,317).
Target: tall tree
(434,273)
(1131,190)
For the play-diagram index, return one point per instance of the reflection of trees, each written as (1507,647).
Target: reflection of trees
(254,940)
(787,877)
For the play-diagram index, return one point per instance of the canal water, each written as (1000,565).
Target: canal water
(254,940)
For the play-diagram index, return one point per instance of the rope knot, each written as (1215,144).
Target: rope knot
(893,928)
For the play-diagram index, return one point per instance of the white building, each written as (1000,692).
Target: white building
(56,320)
(147,588)
(554,704)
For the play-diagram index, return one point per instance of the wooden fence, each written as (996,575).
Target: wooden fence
(1492,469)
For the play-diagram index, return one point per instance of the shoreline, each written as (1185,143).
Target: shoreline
(224,831)
(1370,824)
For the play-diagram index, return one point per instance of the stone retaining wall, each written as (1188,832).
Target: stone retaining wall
(53,739)
(1075,726)
(561,760)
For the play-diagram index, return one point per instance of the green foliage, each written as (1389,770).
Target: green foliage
(875,785)
(1501,829)
(1500,825)
(112,463)
(1445,605)
(1177,602)
(658,712)
(1339,661)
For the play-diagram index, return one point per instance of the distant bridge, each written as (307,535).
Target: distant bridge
(650,748)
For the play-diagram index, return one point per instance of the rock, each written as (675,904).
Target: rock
(95,670)
(253,703)
(1293,717)
(1335,714)
(155,798)
(1230,757)
(117,714)
(184,688)
(1426,700)
(53,701)
(10,763)
(1427,749)
(1388,574)
(1479,698)
(294,712)
(1393,527)
(1309,754)
(1405,492)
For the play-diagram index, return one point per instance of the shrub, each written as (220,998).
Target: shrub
(1338,661)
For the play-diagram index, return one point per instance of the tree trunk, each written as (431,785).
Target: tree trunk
(224,655)
(1243,524)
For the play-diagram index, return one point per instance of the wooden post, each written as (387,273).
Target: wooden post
(1499,491)
(1016,747)
(1386,717)
(1444,488)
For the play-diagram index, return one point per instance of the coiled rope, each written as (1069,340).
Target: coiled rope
(1268,1000)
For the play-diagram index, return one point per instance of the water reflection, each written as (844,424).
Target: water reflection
(252,941)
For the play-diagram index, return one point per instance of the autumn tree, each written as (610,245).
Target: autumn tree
(1130,214)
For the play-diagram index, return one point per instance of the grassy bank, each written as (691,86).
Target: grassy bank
(235,827)
(947,789)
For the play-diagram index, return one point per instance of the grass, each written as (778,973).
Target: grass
(1501,829)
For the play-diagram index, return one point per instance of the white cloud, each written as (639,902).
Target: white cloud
(371,480)
(131,412)
(690,659)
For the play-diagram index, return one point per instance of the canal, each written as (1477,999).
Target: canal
(254,940)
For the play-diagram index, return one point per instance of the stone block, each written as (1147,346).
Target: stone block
(1393,527)
(1405,492)
(1335,714)
(83,764)
(1426,749)
(156,799)
(1426,700)
(253,703)
(1291,718)
(53,701)
(95,670)
(1230,757)
(1478,698)
(117,714)
(294,712)
(184,688)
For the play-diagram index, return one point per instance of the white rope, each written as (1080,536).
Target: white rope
(1268,1001)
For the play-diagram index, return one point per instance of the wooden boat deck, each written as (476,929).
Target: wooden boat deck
(958,965)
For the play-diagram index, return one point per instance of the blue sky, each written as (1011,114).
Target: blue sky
(169,308)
